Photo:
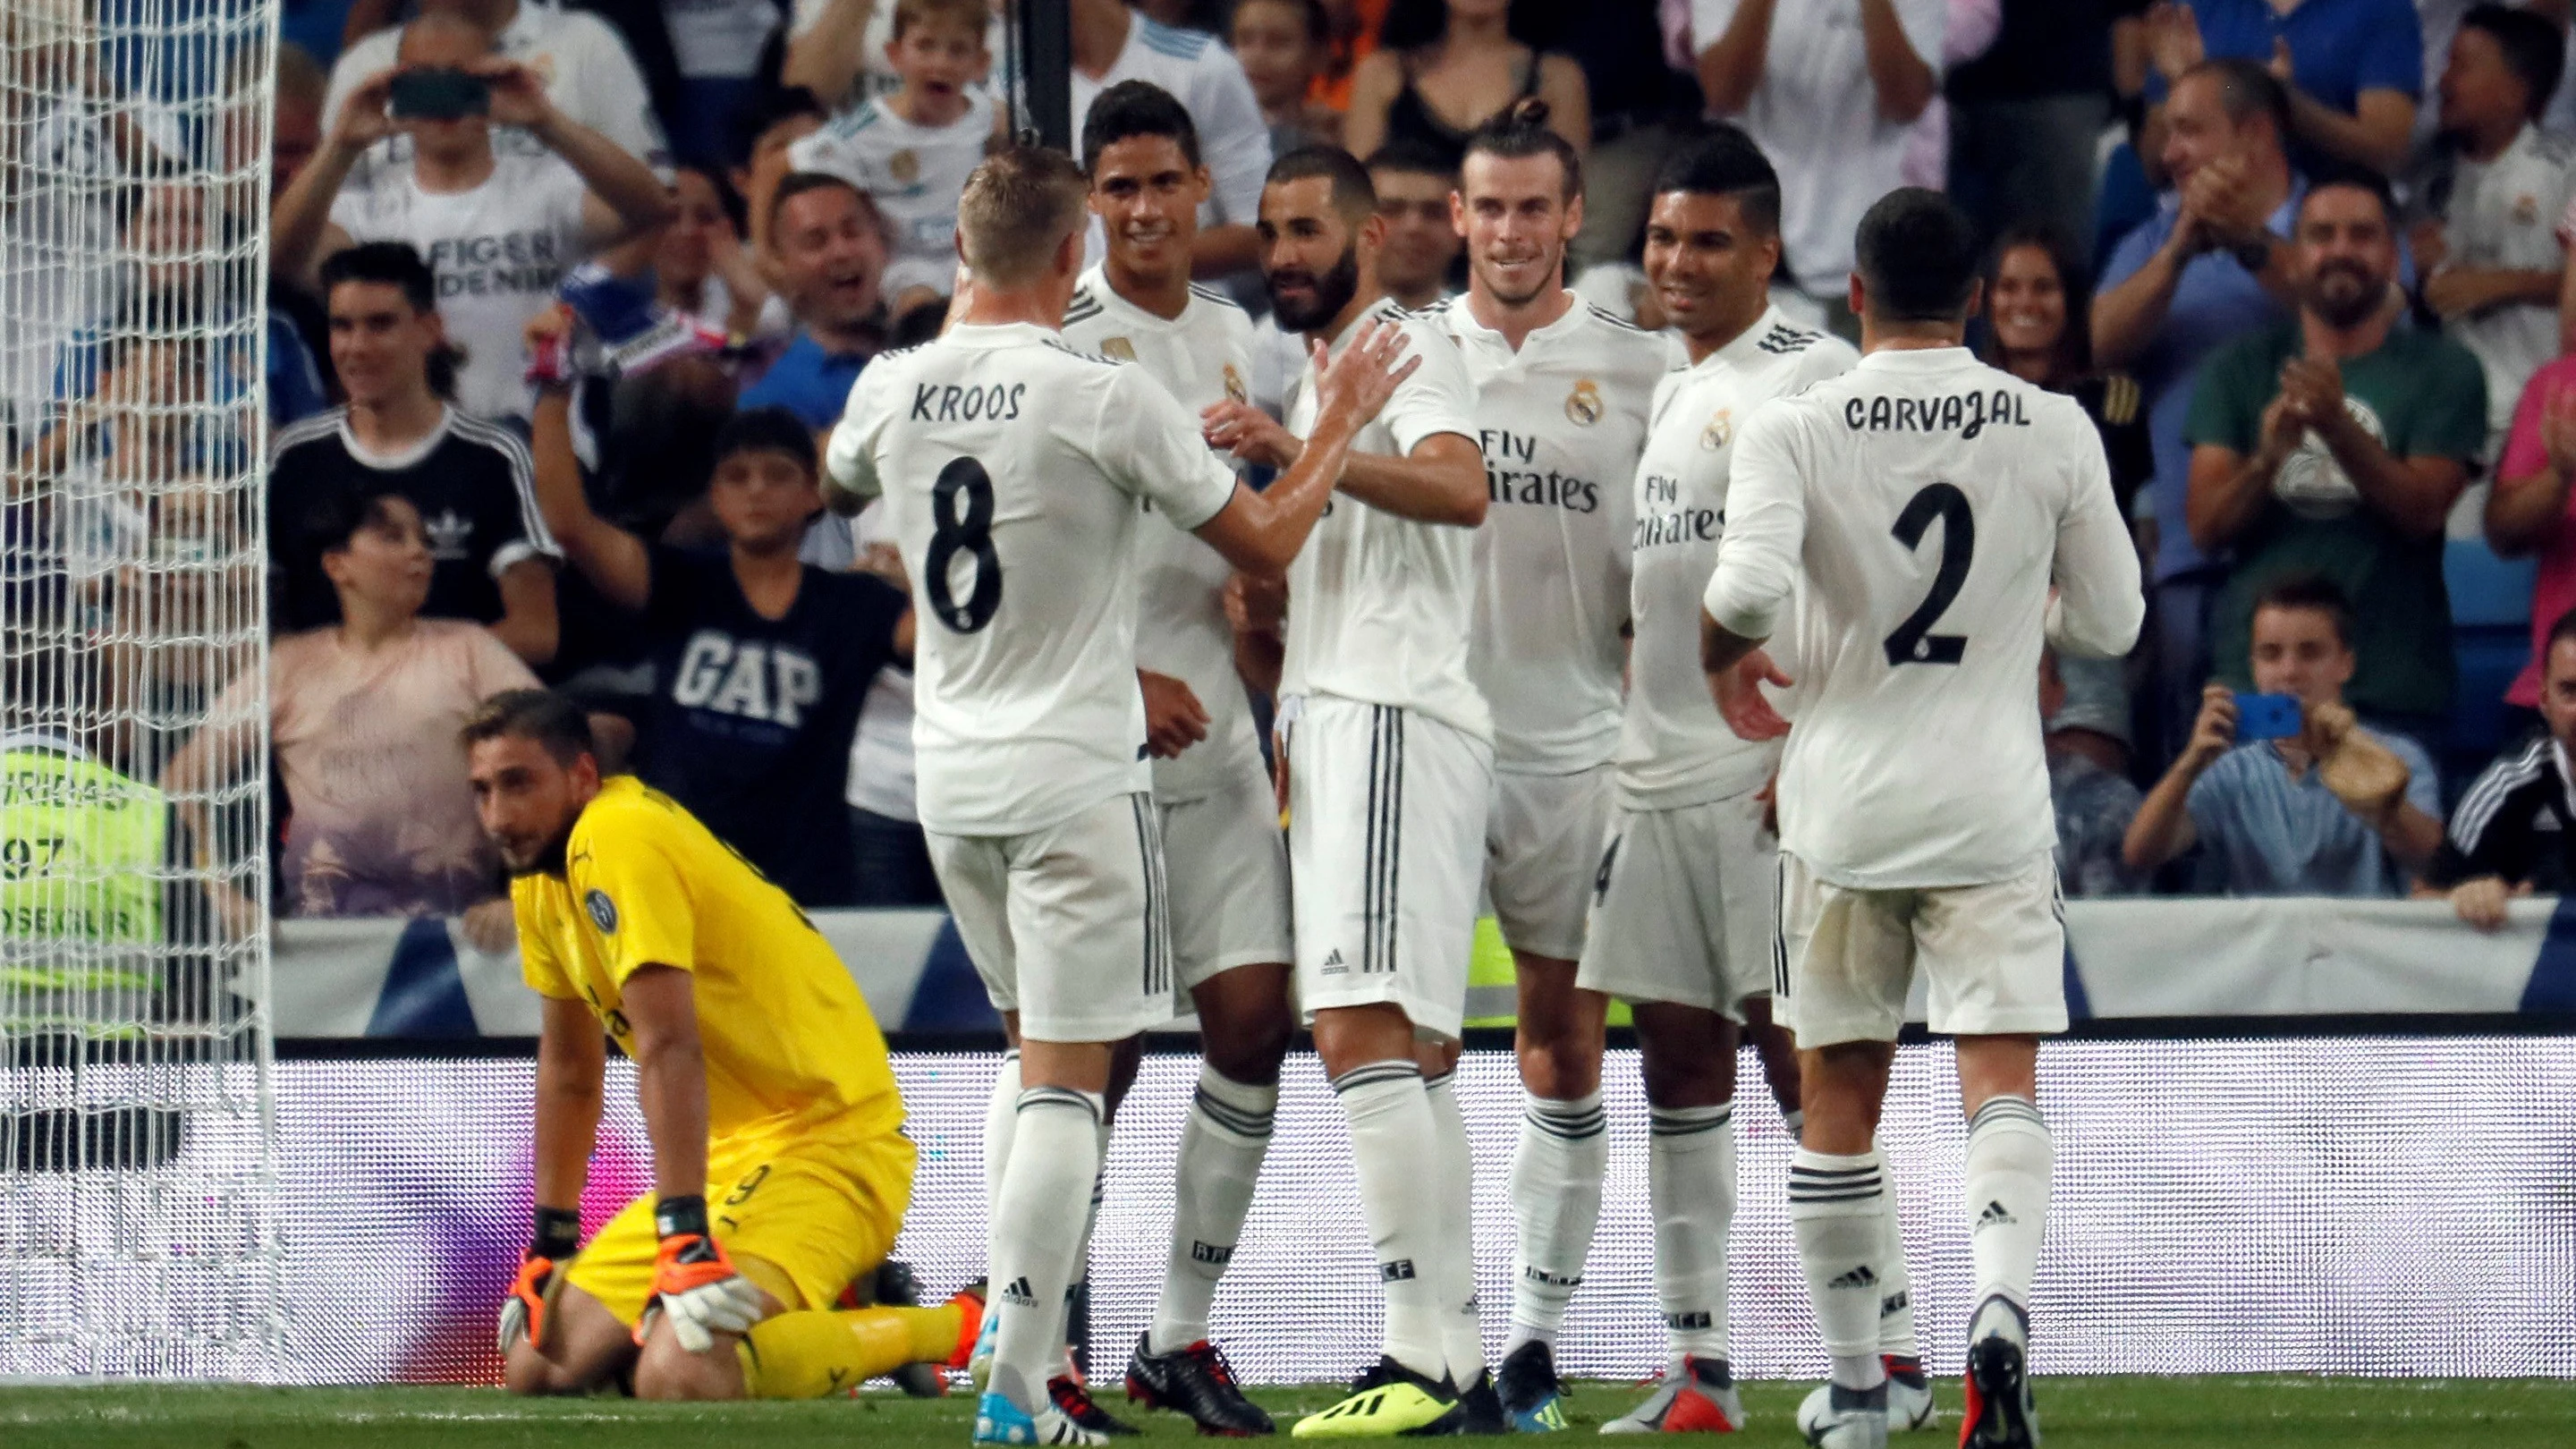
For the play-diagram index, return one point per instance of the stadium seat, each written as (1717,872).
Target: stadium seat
(2491,637)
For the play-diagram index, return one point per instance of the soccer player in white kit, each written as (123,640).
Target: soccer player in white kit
(1225,860)
(1013,469)
(1920,507)
(1389,764)
(1561,396)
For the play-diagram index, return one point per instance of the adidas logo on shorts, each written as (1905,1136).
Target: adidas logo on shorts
(1333,963)
(1860,1277)
(1995,1217)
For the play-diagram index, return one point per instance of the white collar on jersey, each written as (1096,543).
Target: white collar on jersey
(1747,347)
(1095,280)
(1914,359)
(1461,313)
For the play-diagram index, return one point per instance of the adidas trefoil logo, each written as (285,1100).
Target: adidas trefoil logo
(1859,1277)
(1995,1217)
(1020,1294)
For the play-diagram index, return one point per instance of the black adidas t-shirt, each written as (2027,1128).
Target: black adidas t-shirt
(471,481)
(751,718)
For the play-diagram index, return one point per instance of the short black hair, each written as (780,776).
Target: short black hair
(1319,22)
(1917,256)
(553,720)
(1354,195)
(1724,161)
(2533,50)
(341,514)
(395,264)
(768,430)
(2246,88)
(771,108)
(1411,156)
(398,265)
(797,183)
(2561,632)
(2313,592)
(2330,173)
(1136,108)
(1520,129)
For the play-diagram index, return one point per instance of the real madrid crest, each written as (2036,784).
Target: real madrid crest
(1720,430)
(1120,348)
(1234,387)
(904,166)
(1583,405)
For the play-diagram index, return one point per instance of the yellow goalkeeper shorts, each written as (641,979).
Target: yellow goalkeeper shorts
(801,1217)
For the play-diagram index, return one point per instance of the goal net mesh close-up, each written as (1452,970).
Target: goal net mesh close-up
(138,1235)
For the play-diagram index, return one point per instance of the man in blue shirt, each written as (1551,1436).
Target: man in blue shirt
(2270,819)
(831,246)
(2354,68)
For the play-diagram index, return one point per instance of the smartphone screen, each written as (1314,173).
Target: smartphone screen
(2268,716)
(437,94)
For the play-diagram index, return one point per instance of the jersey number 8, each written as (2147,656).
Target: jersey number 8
(1914,642)
(968,528)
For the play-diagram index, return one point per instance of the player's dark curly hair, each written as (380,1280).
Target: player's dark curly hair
(1723,161)
(1134,108)
(543,715)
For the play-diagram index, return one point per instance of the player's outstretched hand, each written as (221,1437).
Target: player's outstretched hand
(1249,434)
(1359,382)
(695,1282)
(1174,718)
(1738,688)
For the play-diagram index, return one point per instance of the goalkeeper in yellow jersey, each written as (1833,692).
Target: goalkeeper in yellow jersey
(780,1169)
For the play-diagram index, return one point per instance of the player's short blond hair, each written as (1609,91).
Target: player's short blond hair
(1019,207)
(975,15)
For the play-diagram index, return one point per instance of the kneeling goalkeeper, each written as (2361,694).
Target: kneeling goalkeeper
(780,1168)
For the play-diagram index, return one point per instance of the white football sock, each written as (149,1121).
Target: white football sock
(2008,1161)
(1895,1283)
(1222,1142)
(1395,1147)
(1690,1184)
(1001,1118)
(1462,1335)
(1556,1201)
(1082,1249)
(1835,1205)
(1055,1154)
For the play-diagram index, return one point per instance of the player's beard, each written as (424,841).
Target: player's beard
(1547,283)
(1332,291)
(548,859)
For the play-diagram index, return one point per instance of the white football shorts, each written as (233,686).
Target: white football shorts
(1228,866)
(1993,956)
(1542,849)
(1067,924)
(1386,835)
(1685,906)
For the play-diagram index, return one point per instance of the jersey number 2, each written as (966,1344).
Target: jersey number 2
(963,527)
(1914,642)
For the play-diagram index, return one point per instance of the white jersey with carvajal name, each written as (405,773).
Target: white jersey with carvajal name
(1560,420)
(1379,607)
(1675,750)
(1203,357)
(1012,468)
(1921,505)
(915,174)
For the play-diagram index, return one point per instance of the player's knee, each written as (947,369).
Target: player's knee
(1252,1048)
(1558,1064)
(528,1373)
(1678,1079)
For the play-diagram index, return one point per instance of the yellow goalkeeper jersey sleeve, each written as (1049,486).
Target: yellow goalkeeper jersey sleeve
(791,1048)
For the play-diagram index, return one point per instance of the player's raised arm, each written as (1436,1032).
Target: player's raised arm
(2100,603)
(614,560)
(1261,532)
(1766,531)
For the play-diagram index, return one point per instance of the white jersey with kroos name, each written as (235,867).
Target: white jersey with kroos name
(1921,505)
(1675,750)
(1379,607)
(1560,421)
(1012,468)
(1202,357)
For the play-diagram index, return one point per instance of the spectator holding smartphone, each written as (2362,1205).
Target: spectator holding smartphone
(2309,805)
(500,230)
(2515,831)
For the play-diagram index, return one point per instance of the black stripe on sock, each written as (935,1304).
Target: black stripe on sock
(1232,1118)
(1376,1072)
(1059,1097)
(1829,1174)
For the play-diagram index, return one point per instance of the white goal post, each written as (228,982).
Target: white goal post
(138,1170)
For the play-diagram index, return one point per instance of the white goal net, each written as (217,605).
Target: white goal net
(137,1141)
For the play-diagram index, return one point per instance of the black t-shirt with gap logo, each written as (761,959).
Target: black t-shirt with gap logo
(751,718)
(471,481)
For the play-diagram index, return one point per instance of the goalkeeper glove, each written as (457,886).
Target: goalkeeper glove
(694,1281)
(523,1312)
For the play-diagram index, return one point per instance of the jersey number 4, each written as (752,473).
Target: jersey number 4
(1914,642)
(962,527)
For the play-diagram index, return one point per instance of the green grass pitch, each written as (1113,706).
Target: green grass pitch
(2165,1413)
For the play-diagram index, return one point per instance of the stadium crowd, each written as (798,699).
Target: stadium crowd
(565,298)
